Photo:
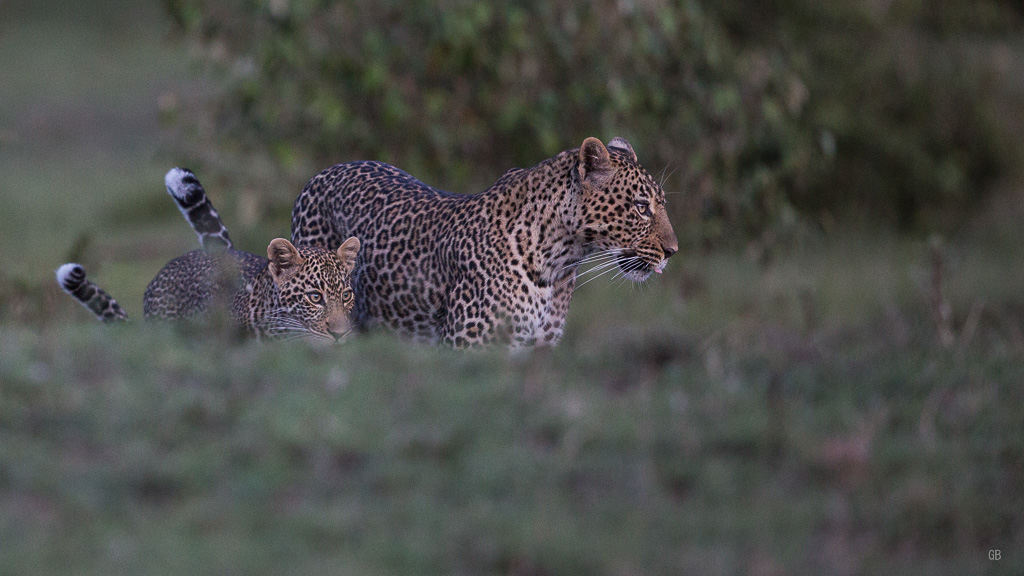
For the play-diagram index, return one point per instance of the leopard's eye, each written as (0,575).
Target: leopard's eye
(643,207)
(315,297)
(347,295)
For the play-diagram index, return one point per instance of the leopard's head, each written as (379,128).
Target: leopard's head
(623,208)
(315,290)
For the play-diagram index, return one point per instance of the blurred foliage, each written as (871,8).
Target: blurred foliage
(757,112)
(919,101)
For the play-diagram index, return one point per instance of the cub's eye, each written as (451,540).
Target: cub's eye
(315,297)
(643,207)
(347,295)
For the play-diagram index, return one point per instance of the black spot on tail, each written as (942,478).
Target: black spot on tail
(195,206)
(73,280)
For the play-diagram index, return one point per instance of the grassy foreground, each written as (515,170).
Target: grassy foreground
(740,424)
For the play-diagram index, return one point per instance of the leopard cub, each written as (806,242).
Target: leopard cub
(295,292)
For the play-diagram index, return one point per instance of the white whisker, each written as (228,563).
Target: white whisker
(626,266)
(663,180)
(632,264)
(661,176)
(600,255)
(602,262)
(610,269)
(623,277)
(591,258)
(600,268)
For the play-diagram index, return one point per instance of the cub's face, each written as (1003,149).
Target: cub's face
(624,209)
(315,290)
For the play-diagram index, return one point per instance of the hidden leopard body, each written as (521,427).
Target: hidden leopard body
(498,266)
(294,292)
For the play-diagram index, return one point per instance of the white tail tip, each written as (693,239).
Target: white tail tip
(70,276)
(174,180)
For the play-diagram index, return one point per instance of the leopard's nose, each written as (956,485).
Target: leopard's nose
(670,248)
(669,242)
(338,336)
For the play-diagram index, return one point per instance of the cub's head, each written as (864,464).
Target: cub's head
(315,290)
(623,209)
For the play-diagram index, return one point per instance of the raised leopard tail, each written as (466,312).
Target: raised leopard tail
(193,203)
(71,278)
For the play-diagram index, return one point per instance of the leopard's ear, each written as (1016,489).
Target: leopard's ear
(595,164)
(620,143)
(347,252)
(284,259)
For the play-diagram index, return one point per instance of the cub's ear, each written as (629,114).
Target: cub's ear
(619,143)
(595,165)
(347,252)
(284,259)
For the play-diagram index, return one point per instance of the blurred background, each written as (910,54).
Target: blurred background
(829,378)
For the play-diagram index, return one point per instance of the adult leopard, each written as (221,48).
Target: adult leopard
(498,266)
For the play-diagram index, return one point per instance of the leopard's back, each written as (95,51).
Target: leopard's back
(189,285)
(365,196)
(385,208)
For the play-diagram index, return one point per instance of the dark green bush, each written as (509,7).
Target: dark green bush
(917,98)
(755,114)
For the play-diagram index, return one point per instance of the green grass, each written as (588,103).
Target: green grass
(713,421)
(654,450)
(791,417)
